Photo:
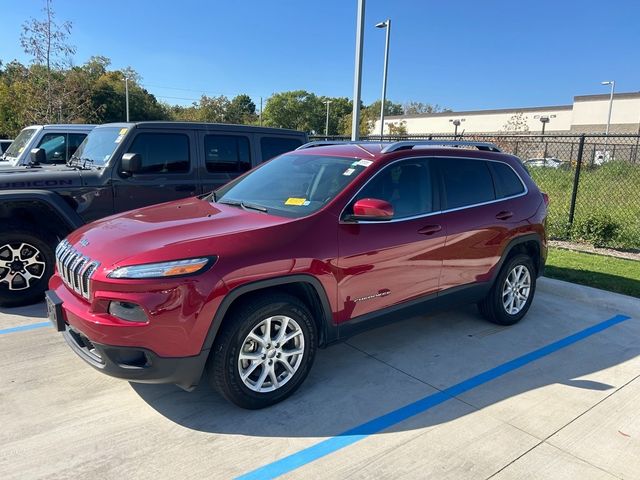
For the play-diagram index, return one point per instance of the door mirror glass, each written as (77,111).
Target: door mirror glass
(38,155)
(131,163)
(372,209)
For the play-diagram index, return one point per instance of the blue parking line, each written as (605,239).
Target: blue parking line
(23,328)
(349,437)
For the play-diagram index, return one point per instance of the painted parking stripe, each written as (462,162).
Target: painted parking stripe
(23,328)
(349,437)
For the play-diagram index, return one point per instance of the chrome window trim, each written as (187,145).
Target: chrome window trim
(430,214)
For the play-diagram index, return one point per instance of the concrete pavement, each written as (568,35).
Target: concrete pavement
(570,414)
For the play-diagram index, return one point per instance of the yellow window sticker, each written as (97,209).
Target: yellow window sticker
(21,150)
(123,131)
(295,201)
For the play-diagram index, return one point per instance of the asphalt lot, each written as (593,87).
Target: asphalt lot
(569,410)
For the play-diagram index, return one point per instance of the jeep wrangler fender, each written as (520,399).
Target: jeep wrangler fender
(40,199)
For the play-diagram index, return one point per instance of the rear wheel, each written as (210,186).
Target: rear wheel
(26,264)
(512,293)
(264,351)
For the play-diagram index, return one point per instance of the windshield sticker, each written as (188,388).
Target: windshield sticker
(307,202)
(364,163)
(21,150)
(349,171)
(119,138)
(295,201)
(106,157)
(123,131)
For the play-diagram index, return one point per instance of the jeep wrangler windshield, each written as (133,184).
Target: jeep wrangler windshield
(18,145)
(292,185)
(98,147)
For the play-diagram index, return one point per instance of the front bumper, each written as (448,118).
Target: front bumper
(136,364)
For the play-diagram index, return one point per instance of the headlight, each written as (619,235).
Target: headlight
(163,269)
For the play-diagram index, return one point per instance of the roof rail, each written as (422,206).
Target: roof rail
(410,144)
(324,143)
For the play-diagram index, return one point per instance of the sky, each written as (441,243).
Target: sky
(464,55)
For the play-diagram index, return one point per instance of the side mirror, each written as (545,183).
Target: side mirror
(372,209)
(37,156)
(131,163)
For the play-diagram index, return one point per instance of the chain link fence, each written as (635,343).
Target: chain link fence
(593,181)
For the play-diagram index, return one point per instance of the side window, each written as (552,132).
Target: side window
(274,146)
(466,182)
(54,146)
(75,139)
(162,152)
(405,185)
(506,180)
(227,153)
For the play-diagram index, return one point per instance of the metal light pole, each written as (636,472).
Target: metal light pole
(606,133)
(357,76)
(326,125)
(126,95)
(613,86)
(386,24)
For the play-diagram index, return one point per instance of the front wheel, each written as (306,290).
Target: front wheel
(512,293)
(26,263)
(264,351)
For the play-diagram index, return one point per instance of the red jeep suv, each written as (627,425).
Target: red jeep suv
(301,252)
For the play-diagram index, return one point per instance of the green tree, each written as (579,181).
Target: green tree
(241,110)
(369,115)
(299,109)
(417,108)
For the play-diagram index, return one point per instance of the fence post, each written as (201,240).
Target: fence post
(576,180)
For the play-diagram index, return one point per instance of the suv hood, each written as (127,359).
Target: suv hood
(181,229)
(47,177)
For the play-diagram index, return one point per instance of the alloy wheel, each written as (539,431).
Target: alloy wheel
(21,265)
(271,354)
(516,289)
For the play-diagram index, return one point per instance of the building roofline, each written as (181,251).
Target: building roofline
(482,112)
(605,96)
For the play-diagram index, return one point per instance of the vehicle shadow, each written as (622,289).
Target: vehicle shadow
(385,369)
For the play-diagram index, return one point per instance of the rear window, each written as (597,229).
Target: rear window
(274,146)
(506,181)
(466,182)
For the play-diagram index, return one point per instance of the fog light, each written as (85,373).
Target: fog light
(127,311)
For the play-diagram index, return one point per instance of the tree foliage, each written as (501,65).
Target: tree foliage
(517,123)
(418,108)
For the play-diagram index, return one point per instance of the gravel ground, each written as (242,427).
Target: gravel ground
(581,247)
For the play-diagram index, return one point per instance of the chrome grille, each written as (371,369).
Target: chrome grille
(75,269)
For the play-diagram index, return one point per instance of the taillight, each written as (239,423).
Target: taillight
(545,197)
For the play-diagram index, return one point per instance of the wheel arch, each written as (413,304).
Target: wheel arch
(305,287)
(529,244)
(30,207)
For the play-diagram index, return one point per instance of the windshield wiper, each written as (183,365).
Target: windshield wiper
(246,206)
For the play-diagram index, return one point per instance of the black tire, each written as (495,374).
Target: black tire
(492,307)
(223,365)
(17,292)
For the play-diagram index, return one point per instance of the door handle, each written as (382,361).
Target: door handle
(185,188)
(504,215)
(430,229)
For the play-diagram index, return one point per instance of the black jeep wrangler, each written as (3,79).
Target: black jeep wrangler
(119,166)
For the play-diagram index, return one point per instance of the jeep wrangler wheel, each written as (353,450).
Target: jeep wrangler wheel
(512,293)
(264,351)
(26,263)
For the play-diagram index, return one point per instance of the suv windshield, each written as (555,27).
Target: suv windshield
(292,185)
(19,144)
(99,145)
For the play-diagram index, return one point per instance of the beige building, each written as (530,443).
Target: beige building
(587,114)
